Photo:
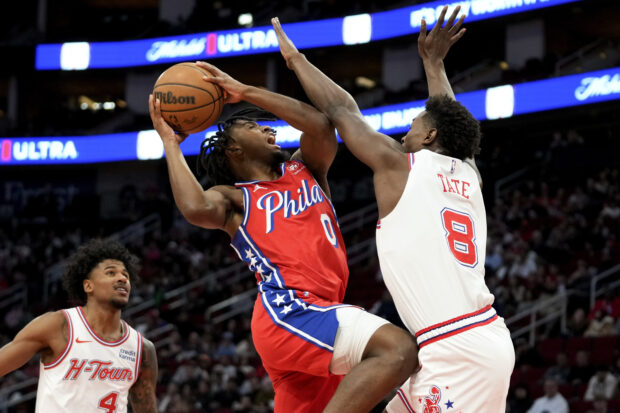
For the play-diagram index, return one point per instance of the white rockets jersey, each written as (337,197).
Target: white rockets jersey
(92,374)
(432,246)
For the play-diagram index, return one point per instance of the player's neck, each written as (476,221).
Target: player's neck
(254,171)
(105,321)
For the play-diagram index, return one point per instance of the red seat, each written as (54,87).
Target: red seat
(550,348)
(581,406)
(603,349)
(576,344)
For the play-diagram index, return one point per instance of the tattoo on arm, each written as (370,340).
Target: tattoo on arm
(142,393)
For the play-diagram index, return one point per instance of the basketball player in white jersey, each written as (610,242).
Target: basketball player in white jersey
(91,360)
(431,236)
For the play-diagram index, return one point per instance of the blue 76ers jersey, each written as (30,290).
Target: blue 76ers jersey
(290,236)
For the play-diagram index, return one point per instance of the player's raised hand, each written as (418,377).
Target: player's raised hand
(287,48)
(162,127)
(233,89)
(435,45)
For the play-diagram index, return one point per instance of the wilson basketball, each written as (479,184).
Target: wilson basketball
(188,103)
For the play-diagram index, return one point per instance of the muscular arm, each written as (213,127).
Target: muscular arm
(36,336)
(318,144)
(208,209)
(433,48)
(374,149)
(142,393)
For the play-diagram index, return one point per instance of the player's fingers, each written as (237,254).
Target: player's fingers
(210,68)
(275,22)
(423,29)
(440,20)
(458,24)
(455,12)
(151,105)
(213,79)
(457,36)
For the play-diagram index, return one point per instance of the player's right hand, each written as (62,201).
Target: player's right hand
(165,131)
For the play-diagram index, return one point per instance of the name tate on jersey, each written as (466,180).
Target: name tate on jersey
(98,369)
(455,186)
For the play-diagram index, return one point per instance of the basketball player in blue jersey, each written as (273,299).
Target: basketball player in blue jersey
(431,236)
(91,360)
(281,222)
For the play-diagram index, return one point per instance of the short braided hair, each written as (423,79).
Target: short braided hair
(212,160)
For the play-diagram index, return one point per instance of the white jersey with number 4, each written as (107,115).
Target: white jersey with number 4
(92,374)
(432,246)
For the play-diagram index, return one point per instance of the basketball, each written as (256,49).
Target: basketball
(188,103)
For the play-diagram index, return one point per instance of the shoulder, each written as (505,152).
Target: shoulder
(49,327)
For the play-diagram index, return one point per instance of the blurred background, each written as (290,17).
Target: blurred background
(551,185)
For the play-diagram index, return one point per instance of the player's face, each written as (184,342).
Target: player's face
(257,141)
(419,131)
(109,282)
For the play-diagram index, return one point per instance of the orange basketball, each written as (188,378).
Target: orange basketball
(188,103)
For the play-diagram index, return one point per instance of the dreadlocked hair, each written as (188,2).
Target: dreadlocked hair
(212,160)
(458,132)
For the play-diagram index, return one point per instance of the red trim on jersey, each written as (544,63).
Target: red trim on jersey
(455,332)
(453,320)
(379,224)
(99,339)
(67,348)
(138,358)
(411,160)
(405,401)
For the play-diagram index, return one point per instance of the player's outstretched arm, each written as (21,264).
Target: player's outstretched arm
(142,393)
(374,149)
(33,338)
(433,48)
(208,209)
(318,144)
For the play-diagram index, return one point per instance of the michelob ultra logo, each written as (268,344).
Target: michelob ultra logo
(40,150)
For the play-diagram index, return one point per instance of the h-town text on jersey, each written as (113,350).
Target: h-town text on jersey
(98,370)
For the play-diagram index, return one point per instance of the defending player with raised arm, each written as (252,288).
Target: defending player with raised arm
(281,222)
(90,358)
(431,235)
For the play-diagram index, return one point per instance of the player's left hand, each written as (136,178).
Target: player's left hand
(434,46)
(287,48)
(165,131)
(232,88)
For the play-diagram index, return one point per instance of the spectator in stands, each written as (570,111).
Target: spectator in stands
(560,371)
(602,386)
(552,401)
(608,305)
(578,323)
(581,372)
(600,326)
(519,399)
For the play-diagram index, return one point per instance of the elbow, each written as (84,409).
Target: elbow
(341,107)
(192,214)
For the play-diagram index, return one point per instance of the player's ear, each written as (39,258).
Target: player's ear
(87,284)
(431,135)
